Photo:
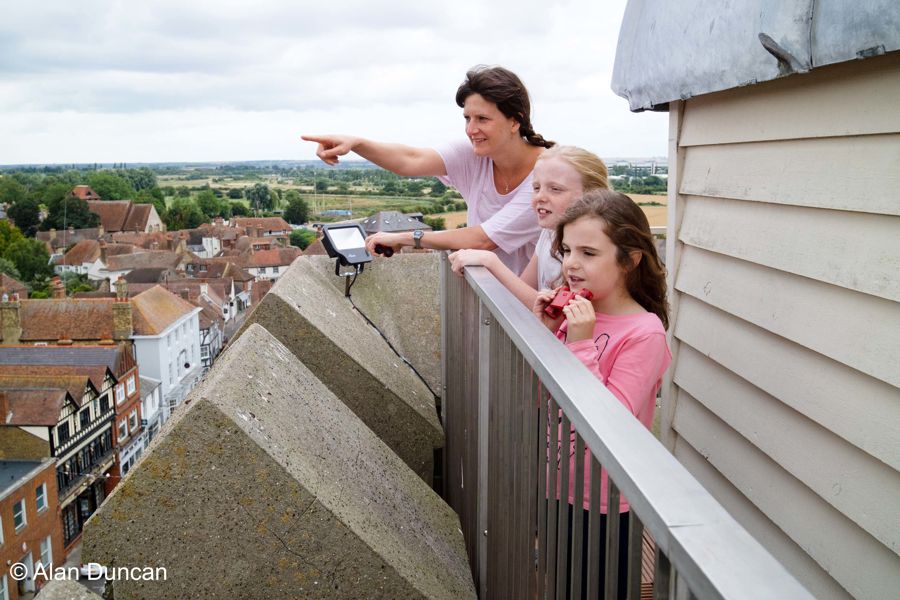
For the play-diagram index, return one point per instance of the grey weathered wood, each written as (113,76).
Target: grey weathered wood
(612,540)
(635,555)
(856,98)
(857,251)
(815,386)
(856,329)
(798,511)
(858,485)
(576,567)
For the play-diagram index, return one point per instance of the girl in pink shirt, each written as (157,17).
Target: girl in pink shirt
(606,247)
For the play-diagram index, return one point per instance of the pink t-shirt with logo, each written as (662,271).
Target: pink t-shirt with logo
(628,354)
(507,219)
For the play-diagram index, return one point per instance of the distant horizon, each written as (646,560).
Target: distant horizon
(262,162)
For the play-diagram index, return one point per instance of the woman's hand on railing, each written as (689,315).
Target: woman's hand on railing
(545,297)
(461,259)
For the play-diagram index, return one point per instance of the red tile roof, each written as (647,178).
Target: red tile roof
(156,309)
(151,259)
(32,406)
(277,257)
(11,285)
(264,223)
(75,385)
(121,215)
(73,319)
(84,192)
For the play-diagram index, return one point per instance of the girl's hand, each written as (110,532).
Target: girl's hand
(331,146)
(461,259)
(582,317)
(394,240)
(545,297)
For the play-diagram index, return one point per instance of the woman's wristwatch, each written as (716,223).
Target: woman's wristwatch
(417,239)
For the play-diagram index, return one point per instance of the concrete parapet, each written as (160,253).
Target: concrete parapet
(319,325)
(402,296)
(264,485)
(64,589)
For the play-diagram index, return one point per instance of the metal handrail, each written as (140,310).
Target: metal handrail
(716,556)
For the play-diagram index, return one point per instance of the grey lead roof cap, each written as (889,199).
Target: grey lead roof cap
(676,50)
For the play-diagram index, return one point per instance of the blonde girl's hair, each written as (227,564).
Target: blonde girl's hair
(594,175)
(626,225)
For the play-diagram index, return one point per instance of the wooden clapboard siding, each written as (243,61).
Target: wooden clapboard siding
(763,529)
(858,174)
(852,328)
(784,276)
(856,98)
(841,400)
(863,250)
(828,536)
(864,489)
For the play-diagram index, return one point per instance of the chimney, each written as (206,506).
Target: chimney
(204,289)
(122,324)
(100,231)
(12,326)
(154,245)
(103,252)
(59,289)
(121,289)
(184,294)
(52,233)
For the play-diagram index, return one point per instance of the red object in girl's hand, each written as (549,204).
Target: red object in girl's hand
(563,297)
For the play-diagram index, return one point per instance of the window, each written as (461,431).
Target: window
(171,373)
(132,420)
(20,519)
(104,403)
(123,429)
(169,340)
(120,394)
(40,497)
(85,416)
(131,385)
(46,552)
(177,335)
(62,432)
(274,269)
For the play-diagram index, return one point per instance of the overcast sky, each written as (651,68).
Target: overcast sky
(201,80)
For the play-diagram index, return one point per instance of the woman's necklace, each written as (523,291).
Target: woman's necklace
(503,180)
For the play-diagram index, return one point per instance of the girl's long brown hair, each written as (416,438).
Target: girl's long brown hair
(626,225)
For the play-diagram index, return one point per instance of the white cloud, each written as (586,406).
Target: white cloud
(110,81)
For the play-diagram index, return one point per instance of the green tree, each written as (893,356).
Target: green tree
(140,179)
(9,234)
(239,209)
(76,283)
(437,188)
(30,257)
(69,211)
(148,197)
(208,203)
(260,197)
(27,215)
(297,210)
(321,186)
(302,238)
(235,193)
(184,214)
(110,186)
(6,266)
(437,223)
(11,191)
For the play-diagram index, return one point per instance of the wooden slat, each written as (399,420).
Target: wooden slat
(856,251)
(849,99)
(816,386)
(827,535)
(855,174)
(864,489)
(786,550)
(851,328)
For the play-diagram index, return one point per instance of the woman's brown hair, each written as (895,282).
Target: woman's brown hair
(505,89)
(626,225)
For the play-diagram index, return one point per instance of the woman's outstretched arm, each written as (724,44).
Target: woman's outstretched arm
(403,160)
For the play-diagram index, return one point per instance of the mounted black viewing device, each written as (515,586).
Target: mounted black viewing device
(347,243)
